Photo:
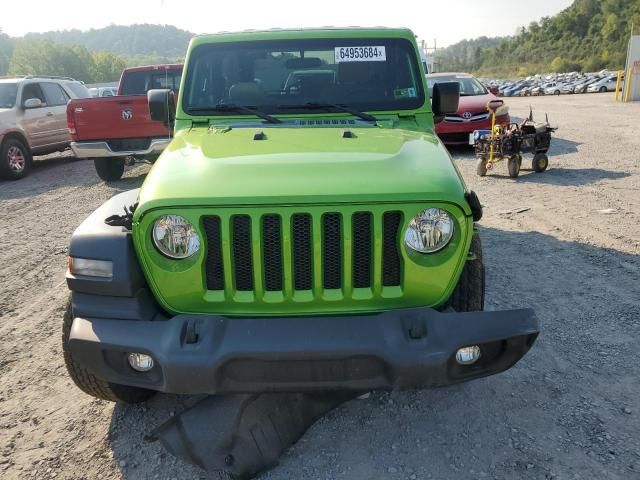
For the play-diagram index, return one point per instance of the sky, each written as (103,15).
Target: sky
(446,21)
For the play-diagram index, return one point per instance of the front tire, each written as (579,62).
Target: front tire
(540,162)
(603,89)
(109,169)
(15,159)
(481,168)
(88,382)
(469,293)
(514,166)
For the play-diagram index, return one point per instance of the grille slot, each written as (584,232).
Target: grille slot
(301,238)
(332,251)
(272,252)
(391,262)
(362,254)
(214,266)
(242,262)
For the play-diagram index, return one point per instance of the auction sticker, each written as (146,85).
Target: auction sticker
(360,54)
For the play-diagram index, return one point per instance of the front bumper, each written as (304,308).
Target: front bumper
(204,354)
(457,133)
(103,149)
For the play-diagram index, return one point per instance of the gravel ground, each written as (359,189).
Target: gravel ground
(570,409)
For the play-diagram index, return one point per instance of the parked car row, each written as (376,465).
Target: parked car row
(573,82)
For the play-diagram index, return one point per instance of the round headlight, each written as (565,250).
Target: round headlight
(175,237)
(429,231)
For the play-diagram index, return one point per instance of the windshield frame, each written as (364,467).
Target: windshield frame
(419,102)
(15,99)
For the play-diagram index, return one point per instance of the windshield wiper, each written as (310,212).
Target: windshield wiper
(327,106)
(232,107)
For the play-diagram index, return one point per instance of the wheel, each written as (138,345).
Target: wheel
(15,159)
(557,92)
(481,168)
(468,295)
(89,383)
(603,89)
(540,162)
(109,169)
(514,165)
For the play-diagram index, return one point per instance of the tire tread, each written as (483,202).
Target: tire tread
(89,383)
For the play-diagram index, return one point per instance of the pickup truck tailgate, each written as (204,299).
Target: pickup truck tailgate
(109,118)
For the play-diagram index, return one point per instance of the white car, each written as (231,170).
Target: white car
(553,88)
(103,91)
(606,84)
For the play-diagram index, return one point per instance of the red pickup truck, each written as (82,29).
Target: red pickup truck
(117,130)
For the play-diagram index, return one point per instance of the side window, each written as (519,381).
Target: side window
(54,94)
(33,90)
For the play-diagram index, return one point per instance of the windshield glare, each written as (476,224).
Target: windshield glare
(469,86)
(274,76)
(8,94)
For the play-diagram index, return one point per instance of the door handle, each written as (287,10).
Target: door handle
(49,114)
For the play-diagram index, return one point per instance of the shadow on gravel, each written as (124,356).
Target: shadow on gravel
(49,174)
(127,183)
(561,412)
(562,146)
(45,175)
(567,177)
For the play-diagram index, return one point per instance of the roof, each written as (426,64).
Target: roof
(166,66)
(308,29)
(18,78)
(296,33)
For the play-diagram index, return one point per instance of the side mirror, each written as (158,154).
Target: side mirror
(162,105)
(33,103)
(444,99)
(494,90)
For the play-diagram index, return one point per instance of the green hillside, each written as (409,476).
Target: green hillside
(97,55)
(589,35)
(161,41)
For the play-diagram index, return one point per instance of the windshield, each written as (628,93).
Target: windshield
(78,89)
(8,94)
(469,86)
(279,76)
(140,82)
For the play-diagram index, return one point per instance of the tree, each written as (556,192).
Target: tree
(42,57)
(6,52)
(107,67)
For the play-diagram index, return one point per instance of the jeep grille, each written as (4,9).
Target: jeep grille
(341,246)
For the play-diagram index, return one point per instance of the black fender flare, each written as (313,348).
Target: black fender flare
(124,296)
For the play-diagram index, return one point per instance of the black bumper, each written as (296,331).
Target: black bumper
(197,354)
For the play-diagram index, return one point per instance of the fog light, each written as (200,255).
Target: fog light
(468,355)
(140,362)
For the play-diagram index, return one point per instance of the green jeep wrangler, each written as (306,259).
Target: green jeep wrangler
(304,231)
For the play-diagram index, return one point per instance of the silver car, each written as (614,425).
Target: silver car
(33,119)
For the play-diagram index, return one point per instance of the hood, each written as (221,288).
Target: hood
(475,103)
(300,165)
